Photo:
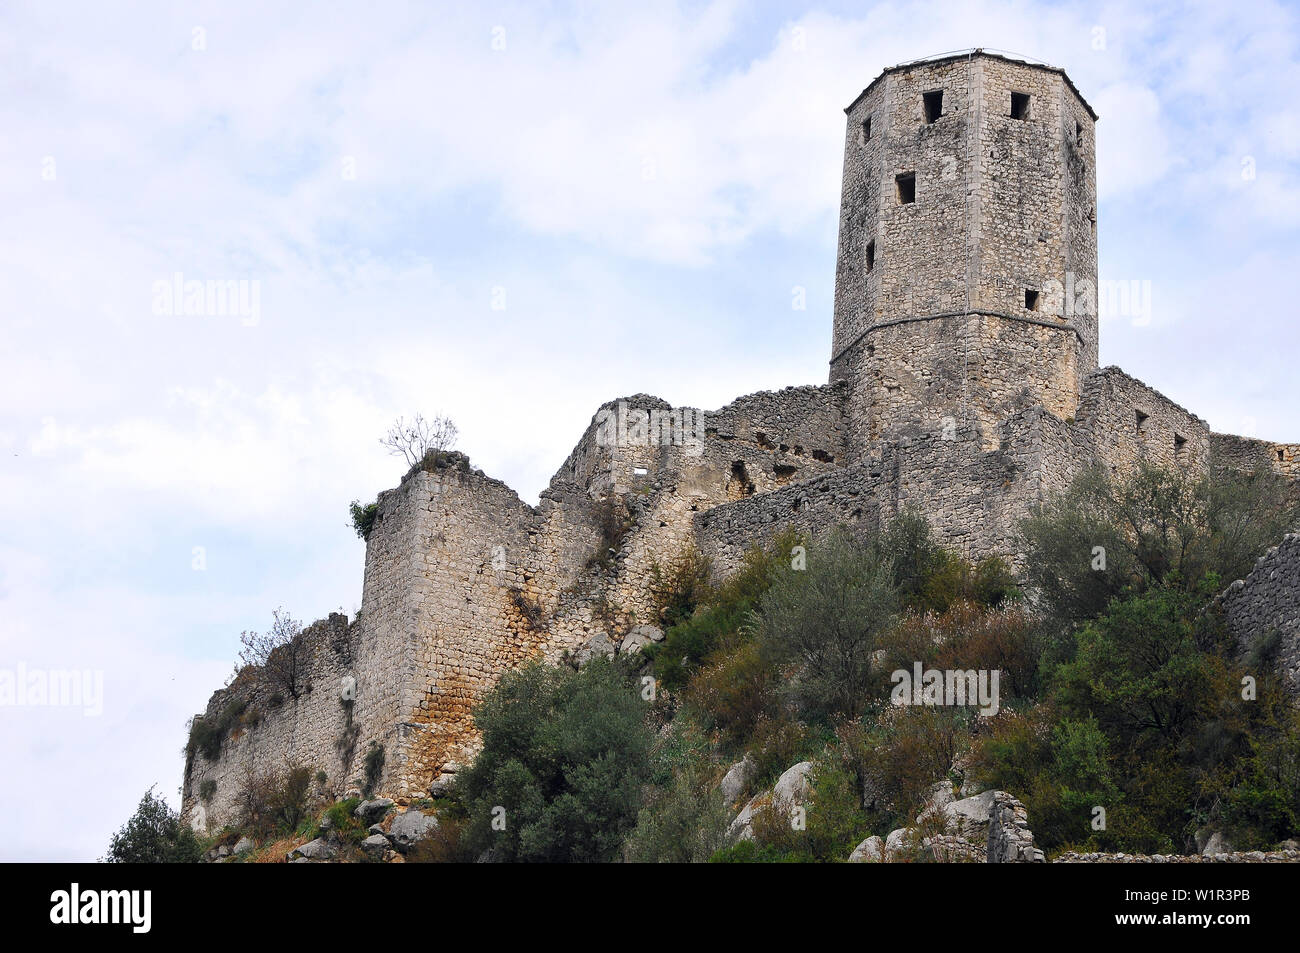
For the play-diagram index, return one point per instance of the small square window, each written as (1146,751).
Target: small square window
(932,104)
(866,129)
(1019,105)
(906,183)
(1031,299)
(871,257)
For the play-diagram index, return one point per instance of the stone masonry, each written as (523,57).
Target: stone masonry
(963,385)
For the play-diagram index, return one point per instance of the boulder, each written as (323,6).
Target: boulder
(411,827)
(870,851)
(598,644)
(244,845)
(939,798)
(372,811)
(638,637)
(441,787)
(375,844)
(318,849)
(900,843)
(737,777)
(742,828)
(793,788)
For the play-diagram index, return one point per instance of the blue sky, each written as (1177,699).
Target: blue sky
(643,186)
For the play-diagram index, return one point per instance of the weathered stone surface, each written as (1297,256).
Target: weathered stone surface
(318,849)
(737,777)
(375,844)
(870,851)
(1009,838)
(244,845)
(410,827)
(372,811)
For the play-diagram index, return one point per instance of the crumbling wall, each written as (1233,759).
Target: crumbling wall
(275,730)
(1263,610)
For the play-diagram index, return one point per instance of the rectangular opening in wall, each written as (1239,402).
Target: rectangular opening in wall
(1281,458)
(932,105)
(1031,299)
(906,182)
(1078,134)
(866,129)
(871,257)
(1142,423)
(640,471)
(1180,448)
(1019,105)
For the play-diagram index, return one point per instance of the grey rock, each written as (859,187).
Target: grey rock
(870,851)
(372,811)
(737,777)
(244,845)
(441,787)
(375,844)
(411,827)
(599,644)
(317,849)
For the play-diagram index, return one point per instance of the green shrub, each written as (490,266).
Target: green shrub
(684,822)
(208,734)
(823,624)
(363,517)
(565,755)
(677,589)
(207,790)
(154,834)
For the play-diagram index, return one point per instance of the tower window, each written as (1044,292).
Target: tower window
(1180,448)
(871,257)
(1142,423)
(933,105)
(1078,134)
(1019,105)
(1281,458)
(1031,299)
(906,182)
(866,129)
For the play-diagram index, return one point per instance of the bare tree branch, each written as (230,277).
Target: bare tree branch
(414,440)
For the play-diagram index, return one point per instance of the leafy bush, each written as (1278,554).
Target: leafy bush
(207,789)
(1156,527)
(824,623)
(154,834)
(685,822)
(363,517)
(564,757)
(677,589)
(208,734)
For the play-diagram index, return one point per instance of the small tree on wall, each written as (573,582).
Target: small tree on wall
(280,654)
(414,440)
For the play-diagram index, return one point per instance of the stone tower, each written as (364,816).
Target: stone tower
(965,286)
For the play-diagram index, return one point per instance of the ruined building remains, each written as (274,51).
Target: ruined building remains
(963,384)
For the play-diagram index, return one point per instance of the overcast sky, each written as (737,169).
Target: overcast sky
(507,214)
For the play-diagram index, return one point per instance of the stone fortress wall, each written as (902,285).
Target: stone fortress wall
(948,395)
